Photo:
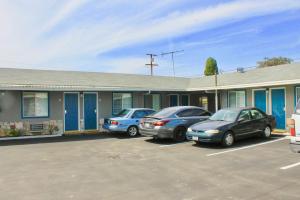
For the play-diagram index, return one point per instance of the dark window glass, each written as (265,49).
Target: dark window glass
(256,114)
(186,113)
(244,115)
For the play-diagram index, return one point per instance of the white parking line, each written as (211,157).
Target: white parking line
(290,166)
(167,145)
(246,147)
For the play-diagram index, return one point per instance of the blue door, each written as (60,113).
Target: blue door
(90,111)
(71,112)
(173,100)
(278,107)
(260,100)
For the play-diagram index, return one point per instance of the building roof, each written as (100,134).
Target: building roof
(259,77)
(50,80)
(28,79)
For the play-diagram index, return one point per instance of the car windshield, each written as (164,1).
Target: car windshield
(225,115)
(164,113)
(123,113)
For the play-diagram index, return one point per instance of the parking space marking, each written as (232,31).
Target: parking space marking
(246,147)
(167,145)
(290,166)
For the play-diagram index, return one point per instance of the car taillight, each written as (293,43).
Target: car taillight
(114,123)
(160,123)
(291,125)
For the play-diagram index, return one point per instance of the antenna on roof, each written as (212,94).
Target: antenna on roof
(172,53)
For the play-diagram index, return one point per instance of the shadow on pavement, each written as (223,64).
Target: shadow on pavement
(162,141)
(65,138)
(240,143)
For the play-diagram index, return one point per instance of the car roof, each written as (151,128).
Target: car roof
(239,109)
(140,109)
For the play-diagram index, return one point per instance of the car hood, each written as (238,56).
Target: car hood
(209,125)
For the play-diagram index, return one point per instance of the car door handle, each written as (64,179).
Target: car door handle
(66,112)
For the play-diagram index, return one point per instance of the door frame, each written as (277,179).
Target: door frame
(253,97)
(64,109)
(270,100)
(97,117)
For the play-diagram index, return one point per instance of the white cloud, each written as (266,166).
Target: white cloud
(26,38)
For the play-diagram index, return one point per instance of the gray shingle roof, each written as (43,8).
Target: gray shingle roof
(70,80)
(259,77)
(28,79)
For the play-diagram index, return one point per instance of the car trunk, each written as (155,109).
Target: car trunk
(148,122)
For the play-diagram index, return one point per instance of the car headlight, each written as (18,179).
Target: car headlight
(189,130)
(212,131)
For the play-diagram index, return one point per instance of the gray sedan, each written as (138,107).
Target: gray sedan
(172,122)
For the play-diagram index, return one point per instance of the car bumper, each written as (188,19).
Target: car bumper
(295,144)
(114,128)
(159,132)
(202,137)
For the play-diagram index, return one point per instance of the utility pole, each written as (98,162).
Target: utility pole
(216,91)
(172,55)
(152,64)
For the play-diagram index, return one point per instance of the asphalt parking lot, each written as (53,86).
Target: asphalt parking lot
(118,167)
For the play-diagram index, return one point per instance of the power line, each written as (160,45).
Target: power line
(172,54)
(151,64)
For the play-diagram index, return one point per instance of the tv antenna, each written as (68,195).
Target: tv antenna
(172,55)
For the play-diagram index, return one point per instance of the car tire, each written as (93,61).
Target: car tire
(267,132)
(132,131)
(228,139)
(179,134)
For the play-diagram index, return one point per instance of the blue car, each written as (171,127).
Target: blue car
(127,121)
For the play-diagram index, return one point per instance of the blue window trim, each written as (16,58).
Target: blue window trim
(112,99)
(237,90)
(39,117)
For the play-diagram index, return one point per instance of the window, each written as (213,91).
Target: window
(203,102)
(156,102)
(185,100)
(35,104)
(186,113)
(139,114)
(237,99)
(244,116)
(173,100)
(121,101)
(297,95)
(256,114)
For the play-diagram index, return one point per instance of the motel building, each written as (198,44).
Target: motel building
(43,103)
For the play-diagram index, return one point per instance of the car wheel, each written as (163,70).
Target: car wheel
(132,131)
(228,139)
(180,134)
(267,132)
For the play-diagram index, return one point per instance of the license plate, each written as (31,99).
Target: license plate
(195,138)
(147,125)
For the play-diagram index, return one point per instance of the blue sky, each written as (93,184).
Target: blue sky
(115,35)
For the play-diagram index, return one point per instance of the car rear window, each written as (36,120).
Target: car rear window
(164,113)
(123,113)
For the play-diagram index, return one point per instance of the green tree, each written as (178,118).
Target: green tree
(211,67)
(267,62)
